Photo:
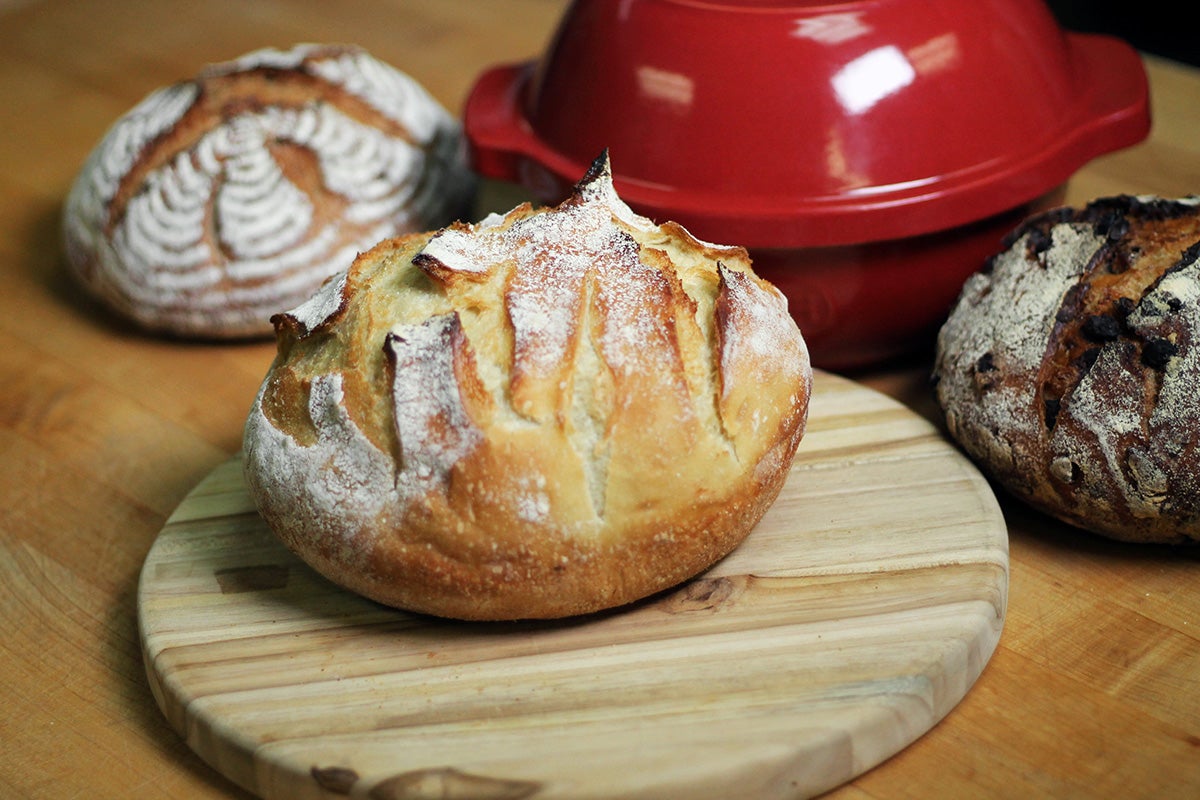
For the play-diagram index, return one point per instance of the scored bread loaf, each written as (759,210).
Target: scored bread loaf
(548,413)
(219,201)
(1068,369)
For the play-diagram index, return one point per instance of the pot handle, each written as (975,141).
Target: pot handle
(497,134)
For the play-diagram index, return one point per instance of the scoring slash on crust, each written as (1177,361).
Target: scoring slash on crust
(558,410)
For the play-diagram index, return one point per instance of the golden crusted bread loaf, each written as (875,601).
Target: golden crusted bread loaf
(1068,369)
(219,201)
(548,413)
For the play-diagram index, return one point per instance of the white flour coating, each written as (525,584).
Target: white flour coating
(258,211)
(267,57)
(322,305)
(759,348)
(433,428)
(1177,397)
(383,87)
(1104,432)
(220,236)
(556,253)
(101,175)
(1153,461)
(634,337)
(388,90)
(1006,313)
(1107,403)
(553,253)
(762,339)
(324,486)
(492,220)
(378,173)
(603,194)
(459,251)
(533,503)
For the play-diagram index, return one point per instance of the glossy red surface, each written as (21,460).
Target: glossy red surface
(860,305)
(788,126)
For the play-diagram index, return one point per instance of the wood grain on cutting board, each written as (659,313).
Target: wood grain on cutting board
(857,614)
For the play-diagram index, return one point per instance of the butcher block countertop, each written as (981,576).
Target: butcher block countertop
(1092,691)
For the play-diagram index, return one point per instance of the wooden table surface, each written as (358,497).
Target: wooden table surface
(1094,690)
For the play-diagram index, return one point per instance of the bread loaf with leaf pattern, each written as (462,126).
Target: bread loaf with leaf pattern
(219,201)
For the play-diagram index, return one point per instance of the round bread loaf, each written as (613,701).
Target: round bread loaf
(1068,369)
(219,201)
(548,413)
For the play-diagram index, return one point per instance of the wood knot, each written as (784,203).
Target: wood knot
(447,783)
(335,780)
(704,594)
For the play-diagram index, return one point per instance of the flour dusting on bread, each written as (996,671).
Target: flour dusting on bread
(222,200)
(1068,367)
(579,408)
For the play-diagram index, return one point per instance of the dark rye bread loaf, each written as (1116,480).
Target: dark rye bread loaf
(1069,368)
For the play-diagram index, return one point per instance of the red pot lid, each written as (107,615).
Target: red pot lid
(794,124)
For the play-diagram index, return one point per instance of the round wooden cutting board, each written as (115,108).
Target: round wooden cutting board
(855,616)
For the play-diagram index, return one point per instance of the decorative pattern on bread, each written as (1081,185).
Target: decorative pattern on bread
(1069,367)
(219,201)
(547,413)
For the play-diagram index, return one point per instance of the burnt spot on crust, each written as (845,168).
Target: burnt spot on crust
(1157,353)
(1113,226)
(1112,218)
(1123,307)
(1131,208)
(1101,328)
(1038,242)
(1191,253)
(1072,305)
(985,372)
(1086,360)
(1037,228)
(1052,405)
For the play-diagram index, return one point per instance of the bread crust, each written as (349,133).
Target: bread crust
(221,200)
(1068,367)
(546,414)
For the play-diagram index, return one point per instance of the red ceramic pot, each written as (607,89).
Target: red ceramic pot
(869,154)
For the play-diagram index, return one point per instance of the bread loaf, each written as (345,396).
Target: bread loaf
(219,201)
(548,413)
(1068,369)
